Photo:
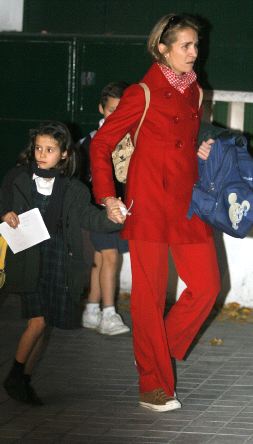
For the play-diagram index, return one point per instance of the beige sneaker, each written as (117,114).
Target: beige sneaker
(159,401)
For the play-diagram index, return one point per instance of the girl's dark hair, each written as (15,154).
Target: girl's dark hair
(165,31)
(61,134)
(112,89)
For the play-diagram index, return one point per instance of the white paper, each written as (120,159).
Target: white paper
(30,231)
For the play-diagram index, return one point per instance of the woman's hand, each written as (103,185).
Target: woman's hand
(11,219)
(113,208)
(204,149)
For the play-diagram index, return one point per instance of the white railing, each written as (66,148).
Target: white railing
(236,106)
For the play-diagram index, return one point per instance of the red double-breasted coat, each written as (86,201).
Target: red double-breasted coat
(163,167)
(161,175)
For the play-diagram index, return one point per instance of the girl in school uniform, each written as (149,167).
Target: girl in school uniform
(49,276)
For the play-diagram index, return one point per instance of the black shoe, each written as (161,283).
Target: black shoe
(33,398)
(16,388)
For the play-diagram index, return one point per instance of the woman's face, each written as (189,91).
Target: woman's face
(182,53)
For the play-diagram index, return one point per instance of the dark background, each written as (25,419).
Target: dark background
(70,49)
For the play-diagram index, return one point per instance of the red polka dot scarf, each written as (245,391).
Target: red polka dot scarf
(179,82)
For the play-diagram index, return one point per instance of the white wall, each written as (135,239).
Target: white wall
(240,270)
(11,15)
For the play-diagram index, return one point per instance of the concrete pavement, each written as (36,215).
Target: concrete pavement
(89,385)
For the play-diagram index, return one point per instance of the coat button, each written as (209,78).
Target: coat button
(176,119)
(179,144)
(167,94)
(195,116)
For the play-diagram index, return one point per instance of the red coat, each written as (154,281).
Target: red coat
(163,167)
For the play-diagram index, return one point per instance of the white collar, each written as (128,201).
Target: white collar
(44,186)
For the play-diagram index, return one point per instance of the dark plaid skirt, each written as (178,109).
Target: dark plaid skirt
(52,299)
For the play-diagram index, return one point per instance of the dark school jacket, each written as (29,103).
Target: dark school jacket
(78,212)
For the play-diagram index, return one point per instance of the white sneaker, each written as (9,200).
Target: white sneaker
(91,318)
(112,325)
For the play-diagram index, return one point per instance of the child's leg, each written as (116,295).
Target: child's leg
(111,323)
(35,354)
(38,349)
(92,313)
(94,296)
(15,383)
(32,333)
(108,273)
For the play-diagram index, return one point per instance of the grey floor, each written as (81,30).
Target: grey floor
(89,384)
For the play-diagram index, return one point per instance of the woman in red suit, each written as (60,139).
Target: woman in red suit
(161,175)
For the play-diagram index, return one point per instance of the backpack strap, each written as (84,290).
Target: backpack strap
(147,102)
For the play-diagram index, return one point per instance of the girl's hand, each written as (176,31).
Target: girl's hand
(204,149)
(11,219)
(114,213)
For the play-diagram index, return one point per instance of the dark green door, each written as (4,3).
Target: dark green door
(37,83)
(102,61)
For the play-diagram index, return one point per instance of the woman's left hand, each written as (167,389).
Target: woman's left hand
(204,149)
(113,208)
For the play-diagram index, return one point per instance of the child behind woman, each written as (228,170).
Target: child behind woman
(48,276)
(108,247)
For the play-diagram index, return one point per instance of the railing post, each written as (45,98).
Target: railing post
(235,117)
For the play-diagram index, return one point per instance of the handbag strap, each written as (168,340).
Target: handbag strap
(147,102)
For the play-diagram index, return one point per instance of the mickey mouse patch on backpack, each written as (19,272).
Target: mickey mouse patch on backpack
(236,210)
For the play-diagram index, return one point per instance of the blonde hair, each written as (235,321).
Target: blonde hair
(165,31)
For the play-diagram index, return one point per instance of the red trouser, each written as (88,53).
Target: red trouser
(156,339)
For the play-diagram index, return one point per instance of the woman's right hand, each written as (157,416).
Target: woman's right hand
(11,219)
(205,148)
(113,208)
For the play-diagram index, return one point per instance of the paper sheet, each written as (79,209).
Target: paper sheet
(30,231)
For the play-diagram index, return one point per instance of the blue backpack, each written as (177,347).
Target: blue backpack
(223,195)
